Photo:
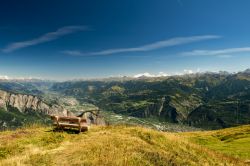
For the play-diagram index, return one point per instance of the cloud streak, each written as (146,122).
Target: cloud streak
(44,38)
(146,74)
(148,47)
(3,77)
(219,52)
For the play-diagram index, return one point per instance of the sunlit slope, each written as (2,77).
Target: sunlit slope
(113,145)
(231,141)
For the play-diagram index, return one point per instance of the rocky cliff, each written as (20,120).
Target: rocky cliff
(19,109)
(26,103)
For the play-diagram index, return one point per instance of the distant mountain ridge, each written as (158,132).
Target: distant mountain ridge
(206,100)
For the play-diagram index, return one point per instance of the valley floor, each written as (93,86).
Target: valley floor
(124,145)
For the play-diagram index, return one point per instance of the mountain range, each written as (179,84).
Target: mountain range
(202,100)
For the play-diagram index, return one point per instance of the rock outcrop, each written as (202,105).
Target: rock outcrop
(93,117)
(29,104)
(24,103)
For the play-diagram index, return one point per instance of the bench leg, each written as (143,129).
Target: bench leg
(80,129)
(60,128)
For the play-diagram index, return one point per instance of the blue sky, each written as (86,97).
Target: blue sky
(64,39)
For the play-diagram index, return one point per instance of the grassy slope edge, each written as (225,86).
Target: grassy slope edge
(116,145)
(231,141)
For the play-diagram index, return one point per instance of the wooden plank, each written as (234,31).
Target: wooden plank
(69,125)
(72,125)
(71,119)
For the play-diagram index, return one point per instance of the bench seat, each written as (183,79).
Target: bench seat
(70,125)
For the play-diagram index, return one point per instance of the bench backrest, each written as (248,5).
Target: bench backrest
(70,119)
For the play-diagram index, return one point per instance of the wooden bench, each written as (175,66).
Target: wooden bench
(62,122)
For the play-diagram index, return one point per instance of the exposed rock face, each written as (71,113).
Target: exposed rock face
(220,116)
(93,117)
(26,103)
(164,110)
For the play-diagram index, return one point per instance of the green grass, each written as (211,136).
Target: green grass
(14,118)
(231,141)
(114,145)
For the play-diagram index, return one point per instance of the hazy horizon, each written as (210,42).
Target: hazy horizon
(139,75)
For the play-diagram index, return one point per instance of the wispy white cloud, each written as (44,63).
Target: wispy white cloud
(224,56)
(187,71)
(223,53)
(72,52)
(146,74)
(44,38)
(153,46)
(3,77)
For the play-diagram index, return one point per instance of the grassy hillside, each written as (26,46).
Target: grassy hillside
(121,145)
(231,141)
